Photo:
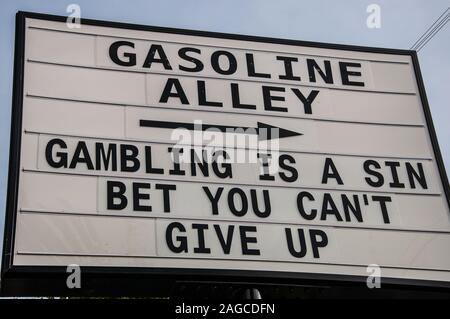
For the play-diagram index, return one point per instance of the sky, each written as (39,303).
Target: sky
(344,22)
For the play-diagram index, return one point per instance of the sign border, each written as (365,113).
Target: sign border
(50,280)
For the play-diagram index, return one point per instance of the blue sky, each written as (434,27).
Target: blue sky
(402,22)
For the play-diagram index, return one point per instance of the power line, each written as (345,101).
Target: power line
(432,36)
(431,32)
(431,29)
(415,43)
(437,25)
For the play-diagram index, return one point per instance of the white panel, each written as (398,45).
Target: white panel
(376,107)
(221,43)
(376,140)
(84,84)
(230,264)
(60,47)
(318,136)
(367,107)
(76,118)
(268,249)
(387,76)
(264,62)
(29,152)
(219,90)
(85,235)
(78,194)
(58,193)
(75,93)
(310,167)
(406,249)
(424,212)
(283,205)
(345,246)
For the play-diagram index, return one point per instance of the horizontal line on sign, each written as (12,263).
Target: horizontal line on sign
(125,139)
(265,221)
(248,259)
(82,255)
(168,180)
(213,111)
(216,46)
(190,258)
(117,69)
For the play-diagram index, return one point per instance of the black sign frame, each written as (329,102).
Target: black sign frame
(119,281)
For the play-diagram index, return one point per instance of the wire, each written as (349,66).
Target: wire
(431,37)
(432,31)
(415,43)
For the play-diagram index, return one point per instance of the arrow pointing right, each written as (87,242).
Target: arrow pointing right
(264,131)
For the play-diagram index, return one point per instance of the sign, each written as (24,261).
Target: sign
(159,151)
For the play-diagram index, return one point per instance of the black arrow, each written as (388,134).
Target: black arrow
(264,131)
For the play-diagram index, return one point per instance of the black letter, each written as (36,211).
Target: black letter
(125,158)
(265,167)
(176,161)
(137,196)
(216,65)
(396,182)
(356,209)
(329,164)
(107,158)
(198,64)
(313,66)
(307,101)
(294,174)
(328,200)
(113,50)
(166,195)
(232,205)
(151,57)
(201,90)
(301,237)
(148,162)
(313,233)
(236,99)
(288,68)
(246,240)
(300,206)
(251,67)
(201,249)
(420,177)
(183,247)
(268,98)
(380,180)
(345,73)
(226,245)
(382,200)
(267,207)
(179,92)
(111,194)
(214,199)
(49,153)
(81,155)
(226,171)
